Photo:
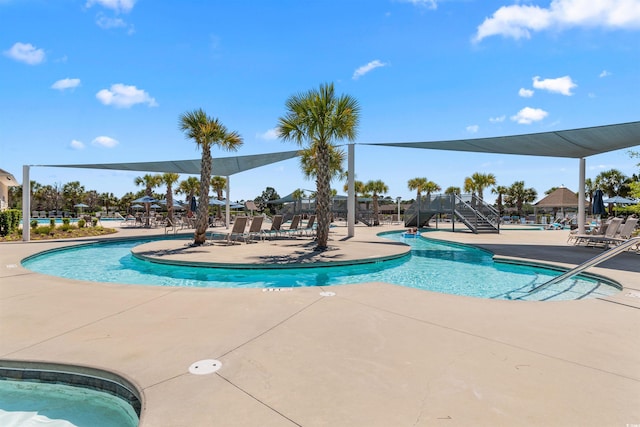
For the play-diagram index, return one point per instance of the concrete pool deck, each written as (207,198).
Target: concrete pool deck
(373,354)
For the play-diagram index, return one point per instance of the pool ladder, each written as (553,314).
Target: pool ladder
(590,263)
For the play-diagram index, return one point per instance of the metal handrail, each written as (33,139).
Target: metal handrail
(590,263)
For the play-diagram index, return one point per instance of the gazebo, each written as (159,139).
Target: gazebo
(561,198)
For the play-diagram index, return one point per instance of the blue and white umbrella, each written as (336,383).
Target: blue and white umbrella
(620,200)
(145,199)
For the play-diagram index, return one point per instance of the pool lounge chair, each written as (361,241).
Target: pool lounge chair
(293,227)
(276,223)
(255,229)
(310,229)
(238,230)
(623,234)
(609,233)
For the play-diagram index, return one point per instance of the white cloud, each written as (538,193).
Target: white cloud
(498,119)
(25,52)
(105,141)
(562,85)
(528,115)
(604,73)
(473,128)
(361,71)
(269,135)
(525,93)
(124,96)
(430,4)
(118,6)
(105,22)
(518,21)
(76,145)
(66,84)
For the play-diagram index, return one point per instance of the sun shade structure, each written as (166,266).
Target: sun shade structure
(223,166)
(575,143)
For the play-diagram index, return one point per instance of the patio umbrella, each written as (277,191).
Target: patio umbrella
(216,202)
(80,206)
(598,203)
(620,200)
(194,204)
(137,206)
(154,206)
(145,199)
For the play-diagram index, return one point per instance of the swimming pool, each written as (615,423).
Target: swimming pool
(432,265)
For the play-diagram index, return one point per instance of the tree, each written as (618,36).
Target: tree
(218,183)
(500,190)
(298,195)
(479,181)
(189,187)
(169,179)
(108,200)
(206,132)
(376,188)
(149,182)
(267,195)
(72,194)
(611,182)
(318,118)
(418,184)
(453,190)
(517,195)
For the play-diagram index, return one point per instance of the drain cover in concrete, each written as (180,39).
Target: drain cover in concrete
(204,367)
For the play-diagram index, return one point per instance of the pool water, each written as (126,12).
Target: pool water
(59,405)
(432,265)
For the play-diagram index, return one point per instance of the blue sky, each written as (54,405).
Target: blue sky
(103,81)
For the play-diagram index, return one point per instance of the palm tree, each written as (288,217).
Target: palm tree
(206,132)
(453,190)
(482,181)
(319,117)
(589,189)
(149,182)
(358,189)
(169,179)
(517,195)
(189,187)
(218,184)
(376,188)
(500,190)
(611,182)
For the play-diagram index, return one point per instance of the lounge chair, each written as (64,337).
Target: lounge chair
(309,230)
(595,230)
(293,226)
(255,228)
(237,232)
(276,223)
(610,232)
(623,234)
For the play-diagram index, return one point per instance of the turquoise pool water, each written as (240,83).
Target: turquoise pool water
(59,405)
(432,265)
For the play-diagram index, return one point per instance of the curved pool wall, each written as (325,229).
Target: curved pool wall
(472,258)
(103,382)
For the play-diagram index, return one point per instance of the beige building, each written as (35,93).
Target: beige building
(6,180)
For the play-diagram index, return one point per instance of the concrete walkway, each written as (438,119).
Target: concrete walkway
(372,354)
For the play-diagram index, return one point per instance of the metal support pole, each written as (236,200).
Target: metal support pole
(228,207)
(26,204)
(581,198)
(351,192)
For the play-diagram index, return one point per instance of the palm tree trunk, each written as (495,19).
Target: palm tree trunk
(323,198)
(202,219)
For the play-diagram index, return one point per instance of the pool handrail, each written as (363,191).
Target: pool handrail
(589,263)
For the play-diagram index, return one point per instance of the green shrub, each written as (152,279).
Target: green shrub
(34,223)
(9,221)
(94,221)
(43,229)
(81,223)
(66,221)
(52,223)
(65,227)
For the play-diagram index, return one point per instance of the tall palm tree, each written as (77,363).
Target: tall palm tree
(418,184)
(319,117)
(218,184)
(611,182)
(206,132)
(189,187)
(482,181)
(149,182)
(169,179)
(358,189)
(500,190)
(376,188)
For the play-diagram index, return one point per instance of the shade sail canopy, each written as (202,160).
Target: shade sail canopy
(223,166)
(575,143)
(559,198)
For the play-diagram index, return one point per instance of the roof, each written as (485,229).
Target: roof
(223,166)
(575,143)
(7,179)
(559,198)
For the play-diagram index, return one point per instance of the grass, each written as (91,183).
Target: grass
(61,232)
